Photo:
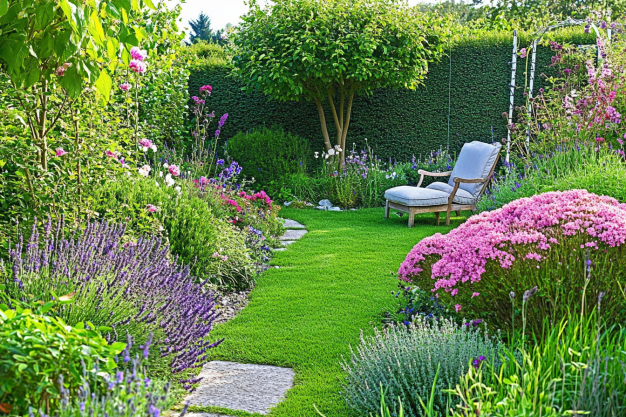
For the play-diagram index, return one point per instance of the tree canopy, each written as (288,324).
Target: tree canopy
(329,50)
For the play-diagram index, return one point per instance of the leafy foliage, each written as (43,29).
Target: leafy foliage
(398,123)
(269,154)
(38,351)
(322,51)
(576,367)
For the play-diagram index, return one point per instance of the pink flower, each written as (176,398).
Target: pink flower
(475,294)
(215,254)
(125,86)
(174,170)
(599,140)
(60,152)
(224,258)
(522,53)
(138,54)
(137,66)
(111,154)
(525,225)
(457,307)
(206,88)
(151,208)
(146,143)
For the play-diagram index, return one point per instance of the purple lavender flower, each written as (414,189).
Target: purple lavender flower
(147,291)
(222,120)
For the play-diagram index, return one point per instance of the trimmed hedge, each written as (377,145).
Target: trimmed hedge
(401,123)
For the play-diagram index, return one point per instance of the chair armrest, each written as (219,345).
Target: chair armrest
(458,180)
(432,174)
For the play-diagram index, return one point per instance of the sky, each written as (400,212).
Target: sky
(222,12)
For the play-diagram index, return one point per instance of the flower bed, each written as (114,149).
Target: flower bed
(562,242)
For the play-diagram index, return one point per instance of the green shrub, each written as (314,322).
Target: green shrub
(269,154)
(37,350)
(577,368)
(600,172)
(405,360)
(193,232)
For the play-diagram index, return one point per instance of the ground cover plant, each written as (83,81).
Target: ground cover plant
(328,286)
(133,287)
(566,243)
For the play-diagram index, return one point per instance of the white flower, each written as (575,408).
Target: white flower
(145,149)
(156,183)
(178,189)
(338,148)
(153,147)
(144,171)
(387,176)
(326,155)
(169,181)
(331,152)
(161,174)
(165,165)
(317,154)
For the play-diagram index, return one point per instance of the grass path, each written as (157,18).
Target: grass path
(330,284)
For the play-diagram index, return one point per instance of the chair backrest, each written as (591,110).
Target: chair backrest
(476,160)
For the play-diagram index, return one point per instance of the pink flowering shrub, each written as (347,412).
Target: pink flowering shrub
(561,242)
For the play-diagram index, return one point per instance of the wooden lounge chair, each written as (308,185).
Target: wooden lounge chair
(468,180)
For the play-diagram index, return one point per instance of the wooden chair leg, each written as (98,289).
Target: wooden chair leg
(411,217)
(448,217)
(437,216)
(387,210)
(458,213)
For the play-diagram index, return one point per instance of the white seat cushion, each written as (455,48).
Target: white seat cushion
(461,196)
(416,197)
(475,161)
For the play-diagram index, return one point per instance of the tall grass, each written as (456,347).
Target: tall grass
(600,172)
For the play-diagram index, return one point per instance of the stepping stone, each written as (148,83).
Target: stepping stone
(204,415)
(287,243)
(292,224)
(279,249)
(250,388)
(293,234)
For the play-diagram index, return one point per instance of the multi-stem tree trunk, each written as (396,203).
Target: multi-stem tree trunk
(341,117)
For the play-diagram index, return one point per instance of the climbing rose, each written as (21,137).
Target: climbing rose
(60,152)
(125,86)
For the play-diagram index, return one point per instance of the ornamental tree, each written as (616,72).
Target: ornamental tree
(52,49)
(328,51)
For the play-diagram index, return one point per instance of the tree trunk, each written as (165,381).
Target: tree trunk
(320,111)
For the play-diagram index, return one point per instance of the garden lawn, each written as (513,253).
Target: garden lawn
(329,285)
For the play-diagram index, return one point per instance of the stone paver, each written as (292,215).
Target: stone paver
(287,242)
(251,388)
(292,224)
(205,415)
(293,234)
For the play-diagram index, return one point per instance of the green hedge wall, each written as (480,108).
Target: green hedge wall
(400,123)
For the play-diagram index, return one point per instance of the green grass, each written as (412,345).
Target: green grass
(328,286)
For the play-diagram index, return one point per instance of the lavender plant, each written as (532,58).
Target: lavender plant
(406,360)
(135,288)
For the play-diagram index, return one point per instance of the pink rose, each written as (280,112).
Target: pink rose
(60,152)
(138,54)
(137,66)
(125,86)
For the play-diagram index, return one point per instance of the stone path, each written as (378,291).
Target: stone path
(251,388)
(245,387)
(294,232)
